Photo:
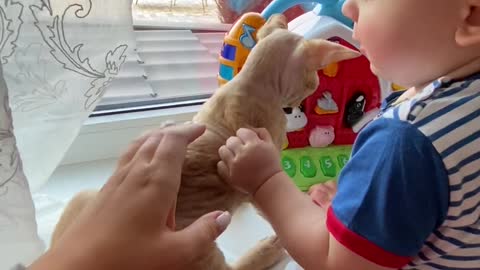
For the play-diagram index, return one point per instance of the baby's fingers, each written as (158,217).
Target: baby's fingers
(263,134)
(222,170)
(234,144)
(226,155)
(247,135)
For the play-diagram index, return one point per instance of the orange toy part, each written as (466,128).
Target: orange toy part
(237,45)
(321,111)
(331,70)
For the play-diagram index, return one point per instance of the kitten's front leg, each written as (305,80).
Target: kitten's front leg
(71,212)
(265,255)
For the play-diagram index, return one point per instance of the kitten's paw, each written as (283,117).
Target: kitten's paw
(266,254)
(71,212)
(270,242)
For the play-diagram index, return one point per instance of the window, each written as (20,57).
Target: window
(178,45)
(176,61)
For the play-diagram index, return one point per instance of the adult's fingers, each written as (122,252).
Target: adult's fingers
(115,180)
(124,163)
(175,140)
(148,148)
(171,217)
(157,165)
(192,241)
(170,153)
(190,131)
(132,149)
(135,145)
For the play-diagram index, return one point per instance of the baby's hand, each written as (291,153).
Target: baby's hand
(323,194)
(249,159)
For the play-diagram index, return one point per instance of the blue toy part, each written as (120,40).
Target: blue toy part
(308,7)
(330,8)
(247,39)
(334,10)
(239,6)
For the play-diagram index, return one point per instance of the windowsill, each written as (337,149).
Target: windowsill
(149,23)
(166,20)
(105,137)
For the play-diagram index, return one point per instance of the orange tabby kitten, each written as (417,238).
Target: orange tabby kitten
(280,72)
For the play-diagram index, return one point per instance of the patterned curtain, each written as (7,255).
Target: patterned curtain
(57,57)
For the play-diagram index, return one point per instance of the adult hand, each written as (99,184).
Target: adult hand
(130,224)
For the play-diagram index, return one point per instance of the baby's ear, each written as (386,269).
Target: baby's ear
(320,53)
(275,22)
(468,31)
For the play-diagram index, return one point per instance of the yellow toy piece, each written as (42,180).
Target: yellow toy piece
(237,45)
(331,70)
(396,87)
(285,144)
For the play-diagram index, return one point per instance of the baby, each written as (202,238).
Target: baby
(409,196)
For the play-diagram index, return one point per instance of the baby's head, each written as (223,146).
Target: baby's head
(413,42)
(287,63)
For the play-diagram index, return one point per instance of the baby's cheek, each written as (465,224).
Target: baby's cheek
(383,53)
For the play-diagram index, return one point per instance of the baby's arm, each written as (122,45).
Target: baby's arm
(391,196)
(299,223)
(301,226)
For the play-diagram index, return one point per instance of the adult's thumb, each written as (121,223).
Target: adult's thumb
(208,227)
(204,231)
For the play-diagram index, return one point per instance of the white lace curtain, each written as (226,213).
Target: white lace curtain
(57,58)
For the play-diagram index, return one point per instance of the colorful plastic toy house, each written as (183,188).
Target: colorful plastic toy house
(347,92)
(321,131)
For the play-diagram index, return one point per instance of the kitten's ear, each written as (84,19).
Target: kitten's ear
(320,53)
(275,22)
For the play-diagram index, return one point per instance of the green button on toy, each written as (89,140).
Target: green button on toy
(307,168)
(342,160)
(289,166)
(327,166)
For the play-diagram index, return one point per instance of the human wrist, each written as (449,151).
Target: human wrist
(56,259)
(51,261)
(268,185)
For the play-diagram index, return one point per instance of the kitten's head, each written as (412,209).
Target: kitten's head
(290,63)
